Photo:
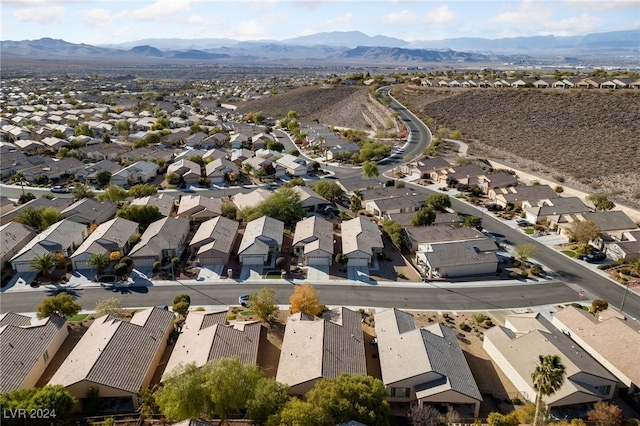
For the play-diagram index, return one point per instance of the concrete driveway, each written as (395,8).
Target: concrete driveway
(251,272)
(318,273)
(358,273)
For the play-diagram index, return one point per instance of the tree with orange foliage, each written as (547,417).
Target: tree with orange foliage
(605,414)
(305,299)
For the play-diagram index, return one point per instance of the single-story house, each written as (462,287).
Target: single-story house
(262,237)
(424,365)
(517,195)
(610,222)
(314,348)
(443,176)
(26,347)
(219,169)
(89,173)
(553,211)
(251,199)
(313,241)
(628,248)
(206,336)
(437,234)
(458,259)
(423,167)
(88,211)
(60,238)
(198,208)
(515,349)
(334,152)
(213,241)
(295,166)
(109,237)
(608,336)
(117,357)
(381,207)
(57,203)
(164,202)
(188,170)
(361,240)
(139,172)
(309,199)
(490,181)
(13,237)
(163,240)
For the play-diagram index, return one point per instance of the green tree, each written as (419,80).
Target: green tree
(370,169)
(283,205)
(19,177)
(472,222)
(124,127)
(395,233)
(25,198)
(423,217)
(181,304)
(601,202)
(99,261)
(53,398)
(43,263)
(172,178)
(142,190)
(268,399)
(113,193)
(30,216)
(50,215)
(498,419)
(583,231)
(144,215)
(438,202)
(61,304)
(110,306)
(299,413)
(525,251)
(83,130)
(84,191)
(329,190)
(547,378)
(103,177)
(262,304)
(184,394)
(374,151)
(259,117)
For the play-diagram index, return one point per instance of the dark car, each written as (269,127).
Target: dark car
(595,257)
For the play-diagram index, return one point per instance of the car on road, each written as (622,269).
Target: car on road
(59,190)
(596,256)
(243,300)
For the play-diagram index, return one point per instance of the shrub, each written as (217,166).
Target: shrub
(479,317)
(599,305)
(156,266)
(488,323)
(121,269)
(445,315)
(513,275)
(231,316)
(464,327)
(536,270)
(127,261)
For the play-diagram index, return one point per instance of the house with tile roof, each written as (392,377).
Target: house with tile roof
(213,241)
(139,172)
(262,238)
(198,208)
(206,336)
(117,357)
(361,240)
(163,240)
(610,222)
(423,167)
(553,211)
(164,202)
(425,365)
(88,211)
(219,169)
(313,241)
(609,337)
(105,239)
(517,195)
(515,349)
(314,348)
(27,346)
(13,237)
(381,207)
(251,199)
(189,171)
(294,166)
(310,200)
(627,248)
(60,238)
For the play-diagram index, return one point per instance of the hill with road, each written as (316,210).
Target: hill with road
(587,139)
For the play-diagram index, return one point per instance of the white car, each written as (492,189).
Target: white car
(243,300)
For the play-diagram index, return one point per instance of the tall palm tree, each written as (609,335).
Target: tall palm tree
(19,176)
(44,263)
(99,261)
(547,377)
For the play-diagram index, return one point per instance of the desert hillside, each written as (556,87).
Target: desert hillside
(586,138)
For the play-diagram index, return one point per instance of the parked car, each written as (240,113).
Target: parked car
(522,222)
(493,207)
(243,300)
(59,189)
(596,256)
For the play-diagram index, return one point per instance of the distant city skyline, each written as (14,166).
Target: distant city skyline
(118,21)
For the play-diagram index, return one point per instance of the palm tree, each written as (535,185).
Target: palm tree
(547,377)
(19,176)
(99,261)
(44,263)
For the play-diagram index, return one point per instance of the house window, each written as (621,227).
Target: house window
(400,392)
(604,390)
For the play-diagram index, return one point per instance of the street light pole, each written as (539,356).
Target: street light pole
(624,297)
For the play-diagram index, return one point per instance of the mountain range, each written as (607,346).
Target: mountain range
(339,47)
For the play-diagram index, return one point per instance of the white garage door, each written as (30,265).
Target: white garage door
(80,264)
(252,260)
(358,261)
(22,267)
(142,262)
(211,260)
(318,260)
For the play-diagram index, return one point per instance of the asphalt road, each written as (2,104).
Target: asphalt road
(431,297)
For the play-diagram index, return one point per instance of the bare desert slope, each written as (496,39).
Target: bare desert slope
(587,138)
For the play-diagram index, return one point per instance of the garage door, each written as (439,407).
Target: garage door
(358,261)
(318,260)
(142,262)
(211,260)
(80,264)
(22,267)
(252,260)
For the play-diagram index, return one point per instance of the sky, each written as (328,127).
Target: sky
(116,21)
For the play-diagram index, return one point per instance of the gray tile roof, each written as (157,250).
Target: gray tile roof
(22,345)
(12,236)
(265,229)
(88,210)
(110,236)
(442,233)
(56,238)
(166,233)
(164,202)
(219,233)
(462,253)
(116,353)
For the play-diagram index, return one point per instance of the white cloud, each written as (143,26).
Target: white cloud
(250,30)
(263,6)
(341,22)
(602,5)
(574,25)
(404,16)
(97,17)
(162,10)
(527,11)
(27,3)
(40,15)
(438,16)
